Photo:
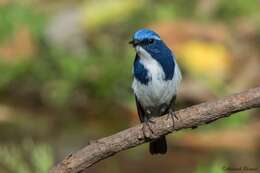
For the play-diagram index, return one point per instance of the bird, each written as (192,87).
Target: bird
(156,79)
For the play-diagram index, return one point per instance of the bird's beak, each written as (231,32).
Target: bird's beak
(134,42)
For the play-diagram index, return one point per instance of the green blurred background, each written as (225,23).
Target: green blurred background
(65,79)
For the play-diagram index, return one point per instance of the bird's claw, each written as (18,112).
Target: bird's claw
(172,115)
(148,125)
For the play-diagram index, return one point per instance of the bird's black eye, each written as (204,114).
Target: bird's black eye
(151,41)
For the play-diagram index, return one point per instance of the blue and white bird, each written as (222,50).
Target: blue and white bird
(156,80)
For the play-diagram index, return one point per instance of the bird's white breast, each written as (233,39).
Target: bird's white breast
(157,91)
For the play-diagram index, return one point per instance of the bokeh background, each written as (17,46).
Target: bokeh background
(65,79)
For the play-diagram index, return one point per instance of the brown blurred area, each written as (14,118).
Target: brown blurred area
(65,79)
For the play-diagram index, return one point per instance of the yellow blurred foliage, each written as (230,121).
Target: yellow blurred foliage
(100,13)
(204,58)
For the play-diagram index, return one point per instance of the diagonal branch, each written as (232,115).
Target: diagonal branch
(187,118)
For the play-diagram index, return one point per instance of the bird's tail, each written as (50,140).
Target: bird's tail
(159,146)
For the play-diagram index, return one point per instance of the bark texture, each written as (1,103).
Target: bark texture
(186,118)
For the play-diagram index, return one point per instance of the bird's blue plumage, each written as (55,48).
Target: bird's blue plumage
(140,73)
(158,50)
(145,33)
(161,53)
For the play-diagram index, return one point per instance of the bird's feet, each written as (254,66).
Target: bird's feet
(172,115)
(147,125)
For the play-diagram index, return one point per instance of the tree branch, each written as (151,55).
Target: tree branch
(187,118)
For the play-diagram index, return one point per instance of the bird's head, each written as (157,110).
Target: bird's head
(149,45)
(148,40)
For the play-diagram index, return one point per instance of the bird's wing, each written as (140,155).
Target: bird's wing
(140,110)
